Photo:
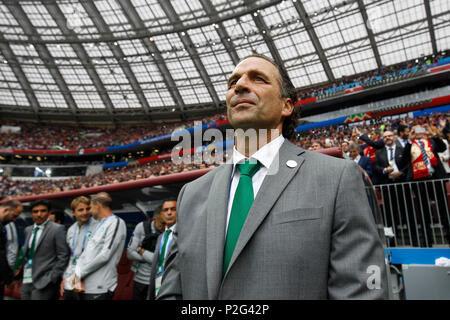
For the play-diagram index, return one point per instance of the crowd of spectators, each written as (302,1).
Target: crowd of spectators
(333,136)
(9,187)
(370,75)
(47,137)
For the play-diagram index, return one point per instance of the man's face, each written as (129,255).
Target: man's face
(40,214)
(82,213)
(160,224)
(353,153)
(12,215)
(316,146)
(169,213)
(253,96)
(405,134)
(344,146)
(95,209)
(388,138)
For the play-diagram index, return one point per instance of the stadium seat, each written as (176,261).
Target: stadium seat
(124,289)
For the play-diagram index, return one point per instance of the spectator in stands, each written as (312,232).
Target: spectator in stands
(403,134)
(237,258)
(44,263)
(9,211)
(77,238)
(387,161)
(345,152)
(57,216)
(364,162)
(316,145)
(421,157)
(141,251)
(387,171)
(445,156)
(163,245)
(96,269)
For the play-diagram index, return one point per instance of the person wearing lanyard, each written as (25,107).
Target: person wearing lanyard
(77,237)
(163,244)
(95,273)
(44,263)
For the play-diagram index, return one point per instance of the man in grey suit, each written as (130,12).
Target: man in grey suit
(288,224)
(168,213)
(46,255)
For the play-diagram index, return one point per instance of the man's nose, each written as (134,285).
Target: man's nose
(242,85)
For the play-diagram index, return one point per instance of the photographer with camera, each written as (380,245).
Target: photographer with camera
(140,250)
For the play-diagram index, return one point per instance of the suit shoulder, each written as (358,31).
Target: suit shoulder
(206,178)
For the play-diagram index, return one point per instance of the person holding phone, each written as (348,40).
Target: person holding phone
(421,156)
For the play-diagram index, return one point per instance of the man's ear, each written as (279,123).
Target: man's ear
(288,107)
(4,211)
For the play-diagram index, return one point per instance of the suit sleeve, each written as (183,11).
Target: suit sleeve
(439,145)
(372,143)
(377,167)
(135,241)
(368,168)
(357,265)
(171,281)
(6,274)
(62,254)
(12,244)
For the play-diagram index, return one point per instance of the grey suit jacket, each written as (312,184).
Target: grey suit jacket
(51,254)
(151,287)
(310,234)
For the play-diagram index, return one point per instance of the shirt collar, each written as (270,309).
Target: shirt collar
(264,155)
(42,225)
(393,147)
(171,228)
(358,157)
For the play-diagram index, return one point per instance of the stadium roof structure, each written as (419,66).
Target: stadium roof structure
(126,60)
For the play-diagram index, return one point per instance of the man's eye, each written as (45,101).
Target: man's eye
(260,79)
(232,82)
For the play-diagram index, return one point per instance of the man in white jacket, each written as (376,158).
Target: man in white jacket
(77,238)
(96,269)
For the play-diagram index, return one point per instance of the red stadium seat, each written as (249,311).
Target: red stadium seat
(334,152)
(124,289)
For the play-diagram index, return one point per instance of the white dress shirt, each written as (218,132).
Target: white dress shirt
(265,155)
(358,157)
(169,241)
(391,163)
(39,233)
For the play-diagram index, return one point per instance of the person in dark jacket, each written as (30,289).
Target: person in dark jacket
(363,162)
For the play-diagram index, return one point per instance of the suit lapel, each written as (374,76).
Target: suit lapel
(271,189)
(43,234)
(217,207)
(27,241)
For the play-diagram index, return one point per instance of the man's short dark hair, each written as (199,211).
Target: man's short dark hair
(103,198)
(287,90)
(401,128)
(59,215)
(41,202)
(12,204)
